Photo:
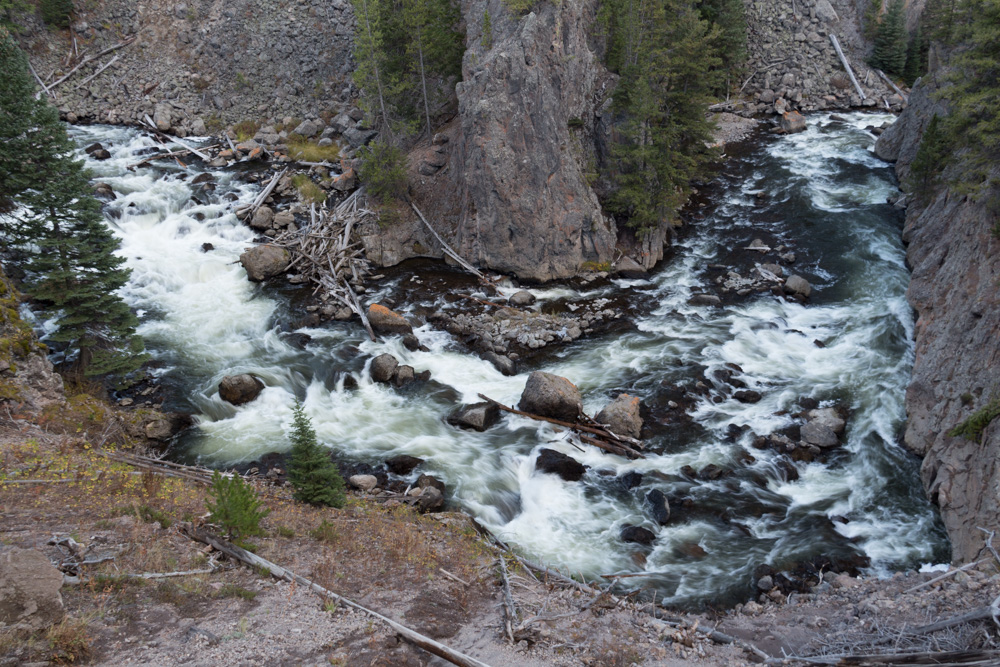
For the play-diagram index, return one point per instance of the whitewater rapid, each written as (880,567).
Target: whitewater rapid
(825,198)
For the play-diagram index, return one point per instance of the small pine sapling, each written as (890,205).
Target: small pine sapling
(237,507)
(314,477)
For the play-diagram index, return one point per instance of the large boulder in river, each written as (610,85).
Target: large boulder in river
(265,261)
(557,463)
(798,285)
(549,395)
(385,321)
(240,389)
(792,122)
(622,416)
(478,416)
(637,535)
(828,417)
(383,368)
(29,590)
(819,434)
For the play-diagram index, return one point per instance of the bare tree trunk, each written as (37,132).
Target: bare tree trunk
(375,67)
(423,80)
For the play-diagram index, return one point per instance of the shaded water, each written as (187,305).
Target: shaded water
(824,195)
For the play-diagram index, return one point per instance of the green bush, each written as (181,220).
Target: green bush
(237,507)
(314,477)
(56,12)
(383,171)
(973,427)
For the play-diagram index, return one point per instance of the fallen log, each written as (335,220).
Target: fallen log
(847,65)
(90,59)
(160,156)
(447,248)
(510,611)
(204,156)
(881,74)
(436,648)
(98,72)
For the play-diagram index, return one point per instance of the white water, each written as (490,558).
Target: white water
(826,194)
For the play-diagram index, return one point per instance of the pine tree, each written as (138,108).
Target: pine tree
(916,54)
(665,55)
(873,18)
(434,47)
(237,508)
(973,125)
(728,17)
(929,160)
(312,474)
(890,40)
(53,219)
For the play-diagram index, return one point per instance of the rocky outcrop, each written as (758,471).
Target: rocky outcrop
(955,256)
(28,382)
(526,106)
(29,590)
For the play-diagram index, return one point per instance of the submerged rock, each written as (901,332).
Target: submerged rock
(402,464)
(240,389)
(659,506)
(557,463)
(637,535)
(552,396)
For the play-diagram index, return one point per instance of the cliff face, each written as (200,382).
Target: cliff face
(518,165)
(955,289)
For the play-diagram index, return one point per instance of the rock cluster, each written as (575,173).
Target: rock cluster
(795,65)
(194,64)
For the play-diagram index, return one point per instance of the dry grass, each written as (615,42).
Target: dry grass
(300,148)
(309,192)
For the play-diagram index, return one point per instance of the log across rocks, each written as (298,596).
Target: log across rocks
(554,399)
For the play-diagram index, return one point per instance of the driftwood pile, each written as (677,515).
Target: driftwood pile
(323,253)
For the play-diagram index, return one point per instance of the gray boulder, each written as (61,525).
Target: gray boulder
(792,122)
(819,434)
(521,298)
(478,416)
(659,506)
(552,396)
(363,482)
(358,138)
(262,218)
(798,285)
(240,389)
(637,535)
(622,416)
(29,590)
(383,368)
(307,129)
(828,417)
(265,261)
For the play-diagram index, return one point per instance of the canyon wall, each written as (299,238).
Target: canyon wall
(955,290)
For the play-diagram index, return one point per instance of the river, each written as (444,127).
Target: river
(822,193)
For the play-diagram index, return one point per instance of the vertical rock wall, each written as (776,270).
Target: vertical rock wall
(955,289)
(526,111)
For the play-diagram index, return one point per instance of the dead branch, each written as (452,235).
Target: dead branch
(98,72)
(946,575)
(453,577)
(847,65)
(92,58)
(149,121)
(161,156)
(278,572)
(447,248)
(510,611)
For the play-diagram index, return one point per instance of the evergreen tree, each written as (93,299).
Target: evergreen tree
(56,12)
(916,58)
(664,53)
(973,125)
(728,17)
(929,160)
(237,508)
(312,474)
(890,40)
(8,8)
(53,219)
(405,50)
(940,18)
(873,18)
